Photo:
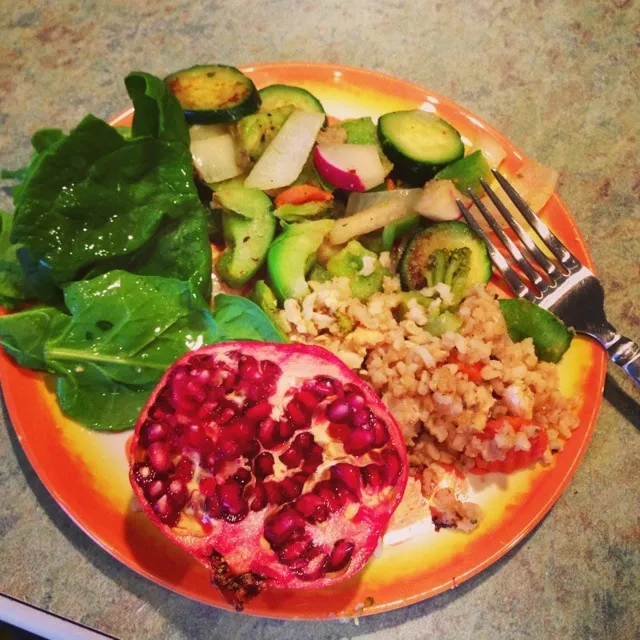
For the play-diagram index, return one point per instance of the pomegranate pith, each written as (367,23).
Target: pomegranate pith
(273,465)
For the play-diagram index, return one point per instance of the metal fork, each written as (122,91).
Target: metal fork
(571,291)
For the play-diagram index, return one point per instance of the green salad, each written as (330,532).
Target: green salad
(106,262)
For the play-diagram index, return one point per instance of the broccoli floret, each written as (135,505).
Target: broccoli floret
(451,267)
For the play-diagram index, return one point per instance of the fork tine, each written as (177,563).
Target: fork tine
(566,258)
(512,278)
(549,267)
(511,246)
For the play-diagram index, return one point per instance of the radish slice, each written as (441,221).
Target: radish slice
(215,157)
(366,221)
(438,201)
(353,167)
(359,201)
(493,152)
(284,158)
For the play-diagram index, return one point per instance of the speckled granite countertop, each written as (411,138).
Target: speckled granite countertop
(560,78)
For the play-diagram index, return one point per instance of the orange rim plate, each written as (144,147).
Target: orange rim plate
(86,471)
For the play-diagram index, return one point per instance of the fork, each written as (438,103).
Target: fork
(570,290)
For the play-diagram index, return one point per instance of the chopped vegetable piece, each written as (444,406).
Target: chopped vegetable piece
(366,221)
(308,210)
(438,201)
(284,158)
(448,252)
(359,201)
(264,297)
(293,254)
(254,133)
(466,173)
(302,193)
(418,143)
(211,94)
(353,167)
(215,158)
(361,266)
(248,226)
(277,96)
(551,338)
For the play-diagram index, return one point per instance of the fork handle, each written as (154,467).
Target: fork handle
(626,354)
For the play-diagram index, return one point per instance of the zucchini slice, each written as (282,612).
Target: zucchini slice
(213,94)
(277,96)
(448,252)
(418,143)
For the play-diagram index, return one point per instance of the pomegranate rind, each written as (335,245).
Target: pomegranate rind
(243,550)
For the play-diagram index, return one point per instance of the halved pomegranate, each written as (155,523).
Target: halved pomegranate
(271,464)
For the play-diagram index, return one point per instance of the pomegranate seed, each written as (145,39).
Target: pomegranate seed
(249,369)
(194,436)
(267,432)
(293,550)
(312,507)
(291,458)
(232,505)
(263,465)
(306,400)
(271,371)
(338,410)
(242,475)
(258,412)
(156,489)
(165,511)
(311,465)
(373,475)
(290,489)
(184,469)
(349,475)
(212,506)
(340,555)
(341,493)
(207,486)
(325,491)
(228,449)
(177,493)
(208,445)
(274,493)
(393,466)
(240,430)
(259,501)
(355,400)
(251,450)
(209,461)
(207,410)
(359,441)
(282,525)
(380,434)
(297,415)
(315,565)
(195,391)
(201,375)
(285,430)
(153,432)
(226,415)
(300,478)
(159,457)
(339,431)
(143,474)
(303,442)
(325,386)
(361,417)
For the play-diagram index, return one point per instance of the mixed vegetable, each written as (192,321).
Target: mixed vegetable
(111,239)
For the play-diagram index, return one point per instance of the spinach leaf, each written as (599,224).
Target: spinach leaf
(13,285)
(157,111)
(24,334)
(94,196)
(238,318)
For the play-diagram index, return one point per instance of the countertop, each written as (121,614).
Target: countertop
(562,80)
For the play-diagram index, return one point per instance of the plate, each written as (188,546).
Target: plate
(86,471)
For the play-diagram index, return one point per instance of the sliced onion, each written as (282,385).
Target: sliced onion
(215,157)
(359,201)
(438,201)
(367,220)
(533,181)
(284,158)
(206,131)
(493,152)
